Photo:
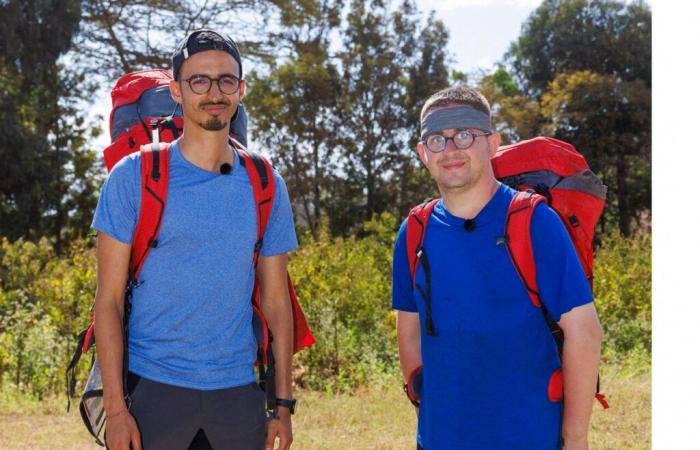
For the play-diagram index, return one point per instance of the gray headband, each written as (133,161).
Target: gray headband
(458,117)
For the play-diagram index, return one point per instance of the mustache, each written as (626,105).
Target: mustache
(450,160)
(210,103)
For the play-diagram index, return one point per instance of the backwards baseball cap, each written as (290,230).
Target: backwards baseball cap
(203,40)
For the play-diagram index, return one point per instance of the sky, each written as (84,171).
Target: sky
(480,30)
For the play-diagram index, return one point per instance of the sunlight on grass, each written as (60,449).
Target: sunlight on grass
(368,419)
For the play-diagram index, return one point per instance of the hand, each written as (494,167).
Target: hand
(576,443)
(279,428)
(122,432)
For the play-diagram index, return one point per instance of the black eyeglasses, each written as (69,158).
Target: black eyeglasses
(463,139)
(201,84)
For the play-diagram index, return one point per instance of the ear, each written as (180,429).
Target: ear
(422,153)
(241,88)
(175,92)
(494,143)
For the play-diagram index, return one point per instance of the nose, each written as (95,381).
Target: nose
(450,144)
(214,92)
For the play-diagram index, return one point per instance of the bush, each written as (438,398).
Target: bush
(44,303)
(622,286)
(344,286)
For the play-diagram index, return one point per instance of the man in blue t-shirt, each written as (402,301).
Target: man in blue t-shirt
(487,367)
(191,345)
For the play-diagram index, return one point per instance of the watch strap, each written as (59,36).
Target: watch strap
(287,403)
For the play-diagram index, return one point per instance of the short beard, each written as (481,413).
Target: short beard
(463,185)
(213,124)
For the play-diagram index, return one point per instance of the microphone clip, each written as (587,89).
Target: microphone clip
(225,169)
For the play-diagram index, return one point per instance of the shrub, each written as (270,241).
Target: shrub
(622,286)
(344,286)
(44,303)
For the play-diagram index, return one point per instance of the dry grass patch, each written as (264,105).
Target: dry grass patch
(369,419)
(627,424)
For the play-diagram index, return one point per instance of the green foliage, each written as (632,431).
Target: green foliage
(604,36)
(292,107)
(345,289)
(622,287)
(344,286)
(514,115)
(46,179)
(341,126)
(504,82)
(44,302)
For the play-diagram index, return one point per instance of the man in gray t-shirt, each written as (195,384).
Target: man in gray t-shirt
(191,345)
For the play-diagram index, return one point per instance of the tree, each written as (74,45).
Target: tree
(342,127)
(292,106)
(514,115)
(427,74)
(609,122)
(41,137)
(583,69)
(604,36)
(382,90)
(120,36)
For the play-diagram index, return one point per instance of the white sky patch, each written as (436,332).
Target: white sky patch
(446,5)
(481,31)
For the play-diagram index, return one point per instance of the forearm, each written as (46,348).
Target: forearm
(408,334)
(581,359)
(279,318)
(109,340)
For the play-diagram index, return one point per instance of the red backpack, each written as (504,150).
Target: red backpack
(542,169)
(155,160)
(141,102)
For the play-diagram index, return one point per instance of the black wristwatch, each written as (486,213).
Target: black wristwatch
(286,403)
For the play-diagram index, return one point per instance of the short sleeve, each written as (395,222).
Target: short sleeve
(560,277)
(120,198)
(280,235)
(401,286)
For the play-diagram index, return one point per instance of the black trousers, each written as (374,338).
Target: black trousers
(170,417)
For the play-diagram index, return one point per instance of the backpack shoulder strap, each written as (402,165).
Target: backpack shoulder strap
(415,233)
(518,242)
(263,182)
(155,164)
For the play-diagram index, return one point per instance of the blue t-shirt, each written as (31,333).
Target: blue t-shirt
(190,323)
(485,374)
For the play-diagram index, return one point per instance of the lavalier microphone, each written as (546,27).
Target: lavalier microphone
(469,224)
(225,169)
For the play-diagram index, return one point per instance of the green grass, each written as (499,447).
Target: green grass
(369,419)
